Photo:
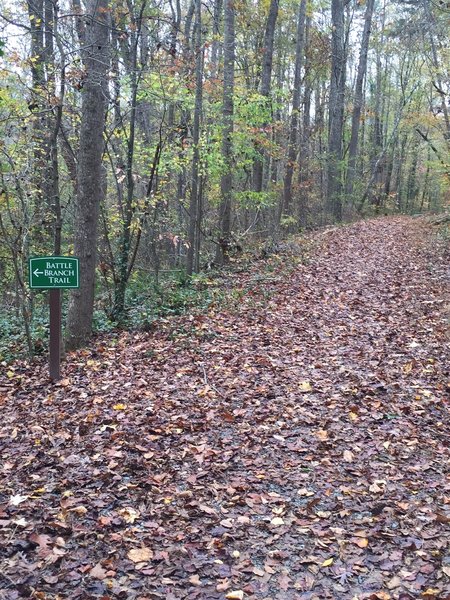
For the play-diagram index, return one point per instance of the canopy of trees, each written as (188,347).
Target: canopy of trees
(153,136)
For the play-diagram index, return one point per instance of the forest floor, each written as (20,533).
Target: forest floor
(291,446)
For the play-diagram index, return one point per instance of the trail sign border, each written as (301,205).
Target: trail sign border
(32,283)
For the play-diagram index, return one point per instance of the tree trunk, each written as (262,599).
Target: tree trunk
(226,183)
(194,205)
(358,99)
(336,111)
(265,83)
(90,188)
(285,206)
(303,161)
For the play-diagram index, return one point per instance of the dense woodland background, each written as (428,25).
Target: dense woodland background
(155,138)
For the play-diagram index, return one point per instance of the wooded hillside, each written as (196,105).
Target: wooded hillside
(152,137)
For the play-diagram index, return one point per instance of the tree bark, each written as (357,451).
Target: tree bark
(194,205)
(266,77)
(293,130)
(358,100)
(90,188)
(336,111)
(226,183)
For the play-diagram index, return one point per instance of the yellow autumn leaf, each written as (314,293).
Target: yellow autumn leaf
(9,374)
(328,562)
(119,406)
(305,386)
(235,595)
(128,514)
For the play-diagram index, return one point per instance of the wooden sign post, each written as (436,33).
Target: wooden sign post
(54,273)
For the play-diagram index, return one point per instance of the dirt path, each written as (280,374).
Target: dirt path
(295,448)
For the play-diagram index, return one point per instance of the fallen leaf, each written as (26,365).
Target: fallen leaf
(305,386)
(375,488)
(322,435)
(208,510)
(18,499)
(80,510)
(361,542)
(223,586)
(98,572)
(140,554)
(128,514)
(235,595)
(348,456)
(277,521)
(195,580)
(328,562)
(227,523)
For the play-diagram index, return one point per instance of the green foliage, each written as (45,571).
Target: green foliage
(13,344)
(252,200)
(288,221)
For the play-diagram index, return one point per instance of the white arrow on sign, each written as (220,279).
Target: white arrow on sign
(36,273)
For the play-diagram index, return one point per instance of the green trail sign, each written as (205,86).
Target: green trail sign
(54,272)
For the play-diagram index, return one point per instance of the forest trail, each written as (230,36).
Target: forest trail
(294,447)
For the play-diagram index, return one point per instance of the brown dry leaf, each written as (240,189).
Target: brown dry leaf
(43,541)
(223,586)
(258,572)
(80,510)
(207,509)
(361,542)
(284,582)
(140,554)
(243,520)
(195,580)
(393,583)
(446,570)
(98,572)
(322,435)
(375,488)
(227,523)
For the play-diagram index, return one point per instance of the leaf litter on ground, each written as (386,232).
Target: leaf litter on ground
(292,446)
